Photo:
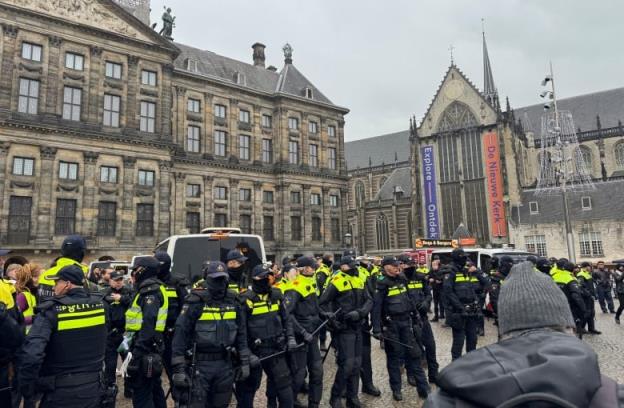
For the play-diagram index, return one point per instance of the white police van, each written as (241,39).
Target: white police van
(482,257)
(188,252)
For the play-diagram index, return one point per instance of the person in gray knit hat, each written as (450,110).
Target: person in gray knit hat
(537,361)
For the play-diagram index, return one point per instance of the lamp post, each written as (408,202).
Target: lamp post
(347,239)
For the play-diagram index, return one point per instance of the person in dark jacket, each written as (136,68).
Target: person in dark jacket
(588,292)
(537,359)
(619,290)
(435,279)
(568,284)
(602,277)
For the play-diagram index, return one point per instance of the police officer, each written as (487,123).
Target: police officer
(419,292)
(618,276)
(270,335)
(146,321)
(323,273)
(499,272)
(588,293)
(236,269)
(463,302)
(366,369)
(72,253)
(602,277)
(569,285)
(118,298)
(347,291)
(392,321)
(435,279)
(212,324)
(63,354)
(543,265)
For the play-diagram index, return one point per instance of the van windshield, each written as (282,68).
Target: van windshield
(516,256)
(190,252)
(445,257)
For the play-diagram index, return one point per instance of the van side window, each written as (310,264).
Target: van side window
(486,263)
(162,247)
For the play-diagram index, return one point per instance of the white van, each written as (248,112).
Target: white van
(188,252)
(482,257)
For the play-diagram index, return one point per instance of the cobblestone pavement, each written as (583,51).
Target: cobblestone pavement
(609,346)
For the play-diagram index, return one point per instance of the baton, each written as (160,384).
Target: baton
(318,329)
(328,350)
(396,341)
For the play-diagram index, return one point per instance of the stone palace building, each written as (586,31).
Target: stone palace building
(114,132)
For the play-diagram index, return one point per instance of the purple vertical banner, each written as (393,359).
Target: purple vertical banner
(431,202)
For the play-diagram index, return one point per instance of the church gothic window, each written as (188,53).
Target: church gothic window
(583,157)
(619,154)
(360,194)
(457,116)
(383,235)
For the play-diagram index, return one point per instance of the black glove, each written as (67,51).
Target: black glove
(254,361)
(352,316)
(328,315)
(308,337)
(422,307)
(292,344)
(376,335)
(244,372)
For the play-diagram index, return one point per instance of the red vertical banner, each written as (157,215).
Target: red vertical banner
(495,186)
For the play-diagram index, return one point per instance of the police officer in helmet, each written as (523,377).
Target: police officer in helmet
(73,250)
(213,325)
(146,321)
(63,354)
(236,269)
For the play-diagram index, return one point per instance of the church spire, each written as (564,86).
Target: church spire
(489,89)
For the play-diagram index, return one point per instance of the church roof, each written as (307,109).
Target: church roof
(609,105)
(400,178)
(289,81)
(379,149)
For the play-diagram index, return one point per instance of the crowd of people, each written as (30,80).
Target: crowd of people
(65,329)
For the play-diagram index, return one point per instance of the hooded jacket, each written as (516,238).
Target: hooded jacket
(536,361)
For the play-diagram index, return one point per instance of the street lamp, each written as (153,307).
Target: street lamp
(347,239)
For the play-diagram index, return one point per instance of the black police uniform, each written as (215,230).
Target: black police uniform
(347,291)
(619,291)
(116,317)
(212,323)
(301,302)
(146,318)
(366,368)
(569,285)
(420,293)
(392,319)
(323,274)
(602,277)
(437,278)
(10,341)
(269,331)
(63,353)
(463,301)
(588,293)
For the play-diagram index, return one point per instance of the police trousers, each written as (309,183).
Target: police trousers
(278,378)
(428,341)
(397,332)
(87,395)
(212,388)
(147,392)
(348,345)
(113,341)
(588,319)
(464,330)
(605,299)
(366,369)
(438,304)
(308,360)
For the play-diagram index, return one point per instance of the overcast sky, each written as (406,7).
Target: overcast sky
(384,60)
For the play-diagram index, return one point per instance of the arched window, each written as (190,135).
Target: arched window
(619,154)
(583,159)
(382,180)
(383,235)
(457,116)
(360,194)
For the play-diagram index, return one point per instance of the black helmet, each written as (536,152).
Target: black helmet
(543,265)
(562,263)
(74,247)
(165,264)
(506,262)
(459,257)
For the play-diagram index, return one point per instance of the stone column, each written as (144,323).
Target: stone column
(89,191)
(179,208)
(179,117)
(166,99)
(233,219)
(95,92)
(306,214)
(344,222)
(128,210)
(279,214)
(132,100)
(53,78)
(257,208)
(341,164)
(4,211)
(164,200)
(9,50)
(232,144)
(208,216)
(325,217)
(44,226)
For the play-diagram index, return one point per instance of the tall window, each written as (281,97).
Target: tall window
(267,151)
(23,166)
(146,178)
(220,111)
(65,223)
(335,229)
(28,101)
(333,200)
(591,244)
(295,228)
(583,157)
(243,116)
(107,219)
(619,154)
(268,231)
(267,197)
(194,105)
(331,131)
(315,199)
(331,159)
(295,197)
(383,235)
(243,147)
(74,61)
(19,220)
(220,143)
(220,193)
(68,171)
(72,98)
(193,190)
(293,152)
(536,244)
(316,228)
(112,107)
(113,70)
(245,223)
(267,121)
(148,77)
(145,220)
(148,117)
(360,194)
(220,220)
(108,174)
(192,222)
(31,51)
(313,157)
(312,127)
(293,123)
(192,139)
(244,194)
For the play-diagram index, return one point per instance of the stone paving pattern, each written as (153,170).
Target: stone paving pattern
(609,346)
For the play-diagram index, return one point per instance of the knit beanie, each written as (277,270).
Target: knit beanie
(529,299)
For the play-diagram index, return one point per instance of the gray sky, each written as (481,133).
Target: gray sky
(384,60)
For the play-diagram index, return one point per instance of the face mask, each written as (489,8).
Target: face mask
(328,263)
(236,273)
(260,286)
(352,272)
(217,287)
(409,272)
(460,260)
